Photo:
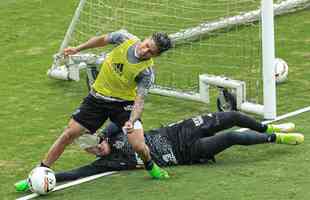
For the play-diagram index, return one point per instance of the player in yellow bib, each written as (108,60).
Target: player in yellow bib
(117,75)
(117,94)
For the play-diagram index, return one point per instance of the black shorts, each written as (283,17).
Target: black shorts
(93,112)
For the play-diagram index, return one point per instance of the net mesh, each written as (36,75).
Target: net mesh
(232,51)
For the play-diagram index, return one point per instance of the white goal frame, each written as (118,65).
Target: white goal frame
(265,14)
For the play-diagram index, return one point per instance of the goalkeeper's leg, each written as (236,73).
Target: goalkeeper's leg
(210,146)
(226,120)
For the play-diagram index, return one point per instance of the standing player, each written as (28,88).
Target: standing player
(187,142)
(118,93)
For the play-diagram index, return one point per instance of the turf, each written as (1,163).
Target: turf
(35,109)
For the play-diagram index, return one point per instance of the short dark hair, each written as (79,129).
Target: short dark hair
(162,41)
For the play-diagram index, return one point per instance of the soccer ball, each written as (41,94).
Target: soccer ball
(42,180)
(280,70)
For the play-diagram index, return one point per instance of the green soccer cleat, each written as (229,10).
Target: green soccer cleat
(280,128)
(22,186)
(289,138)
(158,173)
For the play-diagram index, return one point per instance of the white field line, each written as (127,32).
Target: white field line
(70,184)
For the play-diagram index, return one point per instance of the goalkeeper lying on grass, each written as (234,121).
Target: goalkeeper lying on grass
(187,142)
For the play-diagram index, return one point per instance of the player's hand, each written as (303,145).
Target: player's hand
(102,149)
(93,150)
(128,127)
(70,51)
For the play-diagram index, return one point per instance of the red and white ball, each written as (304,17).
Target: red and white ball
(42,180)
(280,70)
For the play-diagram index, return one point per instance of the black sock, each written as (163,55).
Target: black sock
(272,138)
(149,165)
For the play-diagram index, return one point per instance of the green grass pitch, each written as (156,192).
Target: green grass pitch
(35,109)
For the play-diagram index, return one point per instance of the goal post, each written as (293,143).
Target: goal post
(218,37)
(268,57)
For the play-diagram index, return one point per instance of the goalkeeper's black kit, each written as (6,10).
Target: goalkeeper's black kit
(186,142)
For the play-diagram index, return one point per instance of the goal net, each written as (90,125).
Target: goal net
(218,37)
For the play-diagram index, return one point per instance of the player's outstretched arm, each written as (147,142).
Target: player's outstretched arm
(81,172)
(94,42)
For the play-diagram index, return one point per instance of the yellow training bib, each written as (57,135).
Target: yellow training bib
(117,76)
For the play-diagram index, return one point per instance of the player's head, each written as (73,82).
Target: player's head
(153,46)
(162,41)
(104,148)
